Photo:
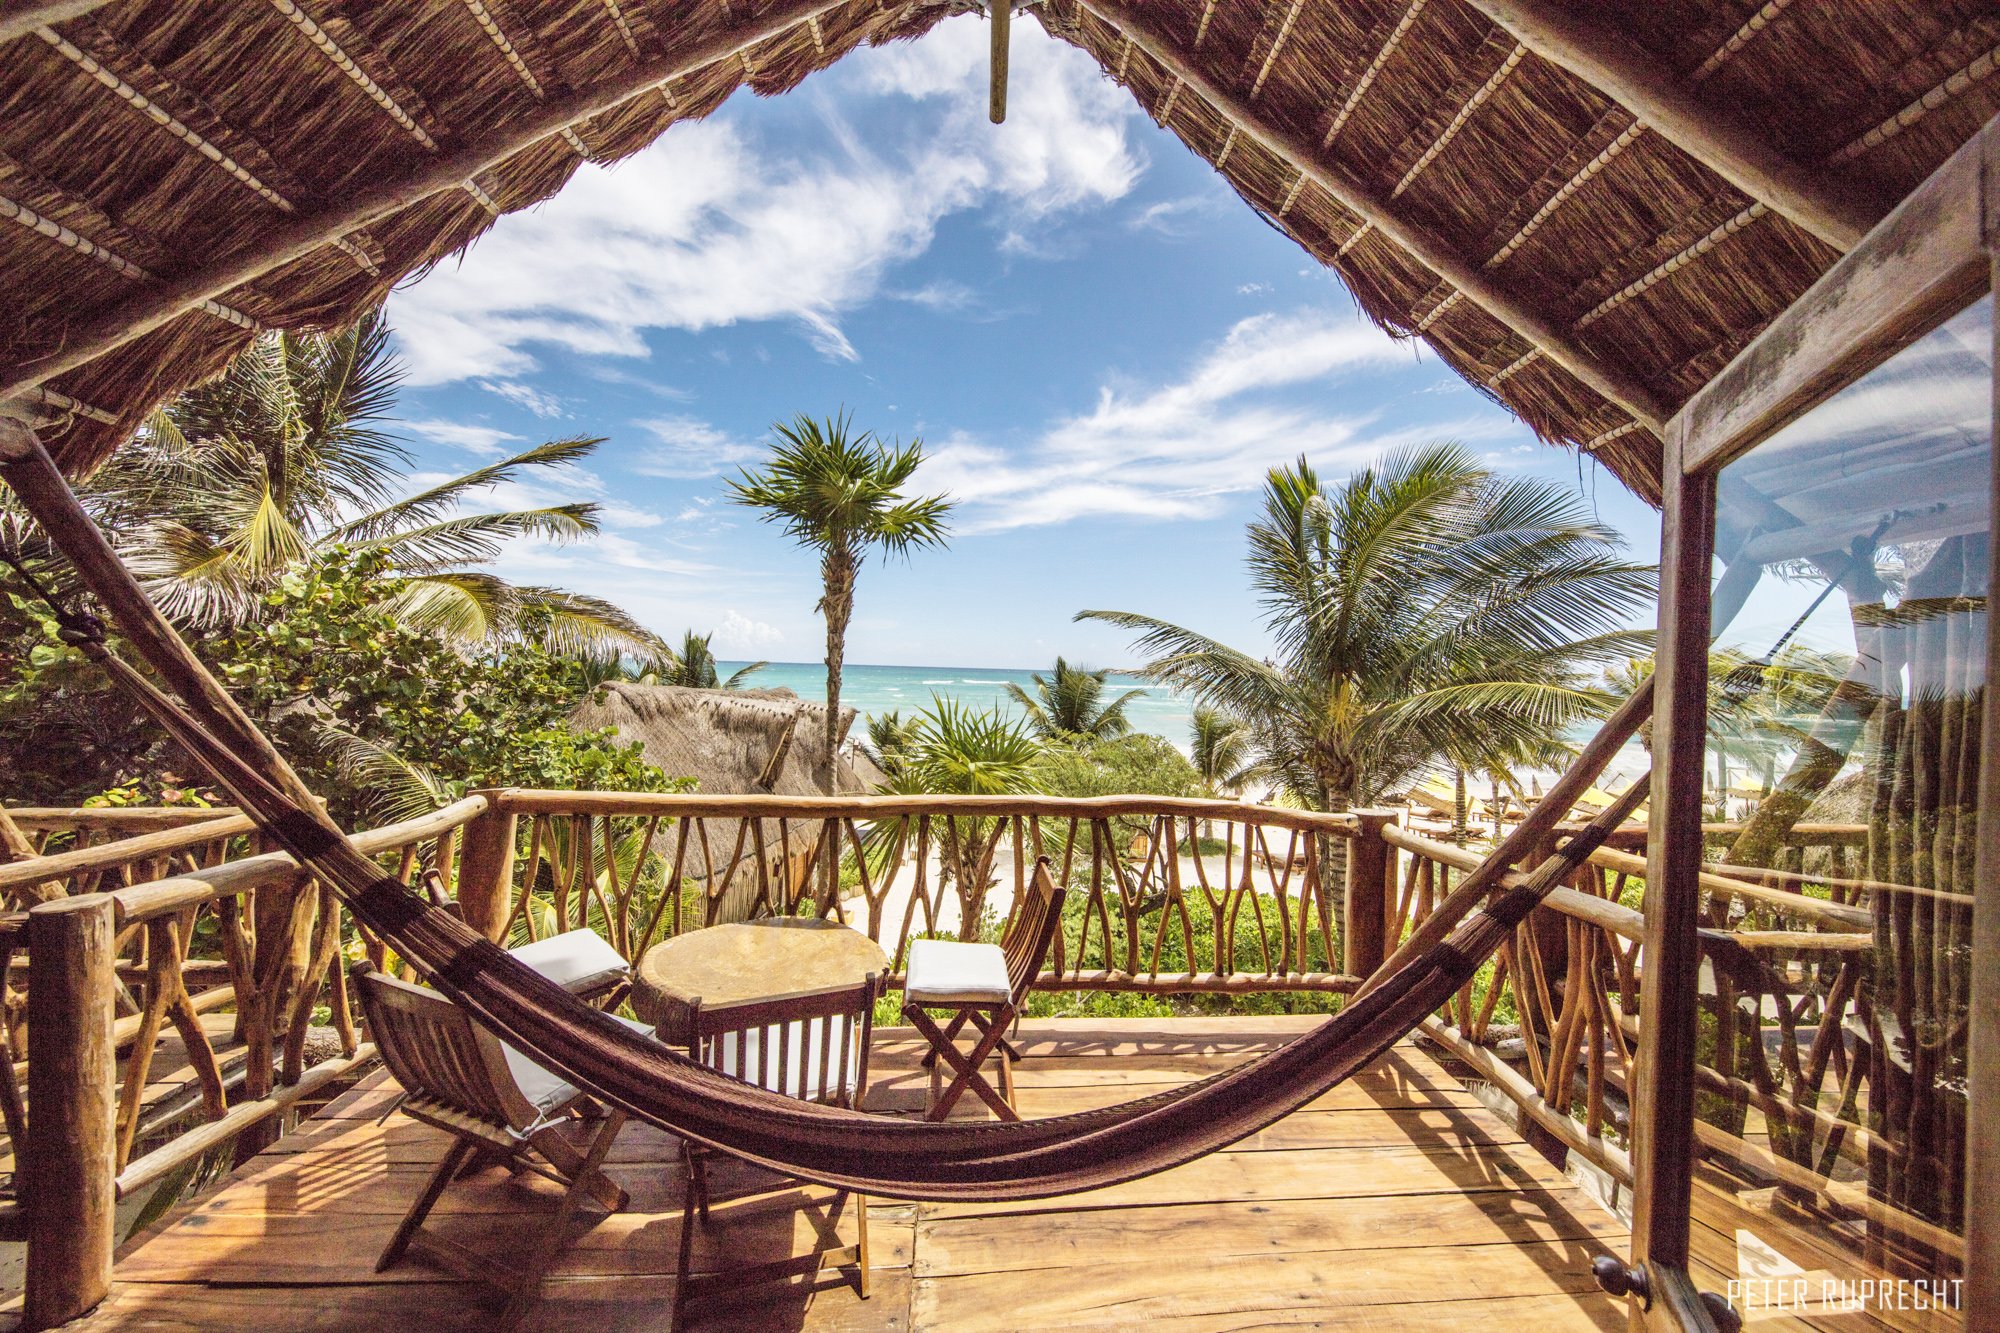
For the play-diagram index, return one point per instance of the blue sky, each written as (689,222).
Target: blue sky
(1101,347)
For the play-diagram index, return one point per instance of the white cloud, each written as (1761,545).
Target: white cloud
(711,227)
(1174,451)
(1171,217)
(687,446)
(944,296)
(740,636)
(459,435)
(525,395)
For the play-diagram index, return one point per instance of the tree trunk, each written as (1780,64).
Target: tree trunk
(1461,808)
(838,603)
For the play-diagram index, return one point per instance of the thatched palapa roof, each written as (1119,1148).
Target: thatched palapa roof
(1586,209)
(731,742)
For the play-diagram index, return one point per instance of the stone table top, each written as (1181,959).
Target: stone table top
(748,960)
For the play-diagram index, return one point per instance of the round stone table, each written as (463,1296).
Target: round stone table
(749,960)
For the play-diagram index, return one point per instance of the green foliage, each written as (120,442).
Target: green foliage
(386,719)
(1070,704)
(840,492)
(1137,764)
(1424,610)
(64,734)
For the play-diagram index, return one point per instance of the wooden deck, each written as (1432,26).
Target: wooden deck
(1396,1201)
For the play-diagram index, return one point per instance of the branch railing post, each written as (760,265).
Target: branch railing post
(69,1162)
(486,869)
(1371,893)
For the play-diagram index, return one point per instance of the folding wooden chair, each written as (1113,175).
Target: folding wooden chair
(813,1046)
(499,1107)
(984,986)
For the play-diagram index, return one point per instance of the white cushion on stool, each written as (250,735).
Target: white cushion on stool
(574,960)
(949,972)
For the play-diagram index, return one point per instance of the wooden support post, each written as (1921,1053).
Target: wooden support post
(70,1159)
(486,870)
(999,13)
(1371,894)
(1663,1100)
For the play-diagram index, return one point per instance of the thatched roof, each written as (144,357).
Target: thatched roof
(728,741)
(1586,209)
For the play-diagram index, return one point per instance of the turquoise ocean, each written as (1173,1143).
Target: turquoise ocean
(1158,710)
(881,689)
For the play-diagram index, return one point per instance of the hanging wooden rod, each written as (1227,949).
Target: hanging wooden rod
(1464,274)
(301,233)
(1711,135)
(1000,16)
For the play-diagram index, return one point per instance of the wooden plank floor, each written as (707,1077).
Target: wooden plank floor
(1396,1201)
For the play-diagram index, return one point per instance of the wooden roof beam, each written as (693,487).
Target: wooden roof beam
(1368,76)
(1464,274)
(342,60)
(301,233)
(24,19)
(1838,214)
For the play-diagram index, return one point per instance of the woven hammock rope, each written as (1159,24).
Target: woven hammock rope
(879,1155)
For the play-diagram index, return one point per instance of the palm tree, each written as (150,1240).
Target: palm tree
(284,457)
(694,667)
(840,494)
(1424,610)
(1221,751)
(889,742)
(950,749)
(1070,703)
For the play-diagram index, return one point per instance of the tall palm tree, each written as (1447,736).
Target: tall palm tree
(840,493)
(1423,610)
(286,455)
(694,666)
(1222,751)
(1070,703)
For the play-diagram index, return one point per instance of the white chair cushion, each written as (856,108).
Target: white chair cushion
(574,960)
(800,1075)
(949,972)
(544,1090)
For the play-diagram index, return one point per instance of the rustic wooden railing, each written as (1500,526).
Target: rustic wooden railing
(63,851)
(1168,896)
(102,1120)
(1775,956)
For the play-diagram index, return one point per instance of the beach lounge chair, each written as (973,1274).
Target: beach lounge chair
(985,986)
(811,1045)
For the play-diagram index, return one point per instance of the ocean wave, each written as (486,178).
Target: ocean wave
(974,680)
(939,682)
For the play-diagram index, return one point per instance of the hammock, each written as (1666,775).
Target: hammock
(891,1157)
